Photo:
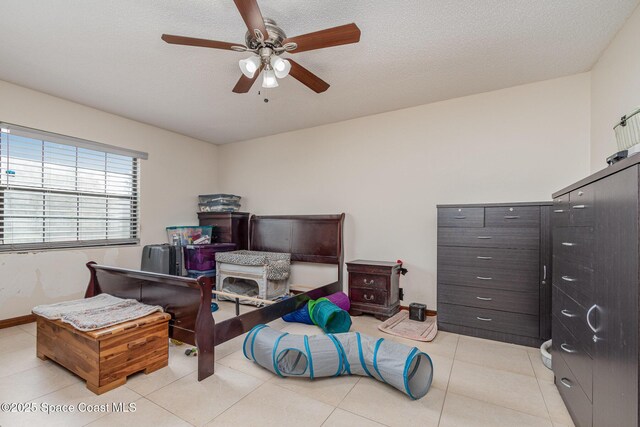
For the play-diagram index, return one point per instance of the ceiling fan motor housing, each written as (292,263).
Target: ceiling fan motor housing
(274,37)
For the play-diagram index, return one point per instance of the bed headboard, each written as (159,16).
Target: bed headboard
(308,238)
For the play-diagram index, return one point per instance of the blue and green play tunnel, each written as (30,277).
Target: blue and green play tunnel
(403,367)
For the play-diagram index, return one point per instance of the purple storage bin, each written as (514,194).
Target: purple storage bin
(203,257)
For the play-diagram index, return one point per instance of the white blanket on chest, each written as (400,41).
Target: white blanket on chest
(97,312)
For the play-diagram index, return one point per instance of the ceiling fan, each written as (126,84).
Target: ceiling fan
(267,41)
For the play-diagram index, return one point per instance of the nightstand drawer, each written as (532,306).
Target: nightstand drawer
(368,280)
(461,217)
(368,296)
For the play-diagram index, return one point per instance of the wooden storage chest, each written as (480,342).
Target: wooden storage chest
(105,357)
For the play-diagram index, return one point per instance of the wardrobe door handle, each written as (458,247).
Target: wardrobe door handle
(484,278)
(544,273)
(460,217)
(578,207)
(558,210)
(566,348)
(569,279)
(484,319)
(567,313)
(484,299)
(484,237)
(565,382)
(511,216)
(593,307)
(568,244)
(484,257)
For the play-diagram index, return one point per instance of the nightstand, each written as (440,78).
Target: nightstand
(374,288)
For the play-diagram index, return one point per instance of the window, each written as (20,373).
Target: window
(58,191)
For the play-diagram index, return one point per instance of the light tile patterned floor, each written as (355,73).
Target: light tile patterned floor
(477,383)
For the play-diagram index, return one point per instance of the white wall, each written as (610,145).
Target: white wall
(179,168)
(615,89)
(388,171)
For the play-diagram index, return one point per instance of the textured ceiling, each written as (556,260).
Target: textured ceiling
(108,55)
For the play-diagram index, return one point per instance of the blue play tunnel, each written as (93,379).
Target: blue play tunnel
(403,367)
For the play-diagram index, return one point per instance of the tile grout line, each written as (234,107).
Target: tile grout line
(358,415)
(496,404)
(541,392)
(503,406)
(331,413)
(365,417)
(446,390)
(239,400)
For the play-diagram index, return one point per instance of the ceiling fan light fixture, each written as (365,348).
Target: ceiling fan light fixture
(269,80)
(280,66)
(249,66)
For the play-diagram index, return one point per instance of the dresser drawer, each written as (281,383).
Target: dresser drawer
(574,317)
(461,217)
(581,203)
(574,397)
(368,296)
(515,216)
(516,302)
(369,280)
(575,280)
(574,244)
(509,237)
(561,211)
(492,320)
(580,363)
(492,278)
(504,259)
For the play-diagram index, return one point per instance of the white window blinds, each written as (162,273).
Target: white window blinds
(58,191)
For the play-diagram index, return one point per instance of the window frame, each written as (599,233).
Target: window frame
(133,210)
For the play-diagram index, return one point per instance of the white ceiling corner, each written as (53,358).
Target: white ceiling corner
(109,55)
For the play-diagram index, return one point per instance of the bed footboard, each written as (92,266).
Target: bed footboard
(188,301)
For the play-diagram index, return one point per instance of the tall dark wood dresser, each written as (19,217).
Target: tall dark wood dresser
(494,271)
(595,296)
(230,227)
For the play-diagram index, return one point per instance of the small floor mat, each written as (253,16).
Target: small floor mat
(402,326)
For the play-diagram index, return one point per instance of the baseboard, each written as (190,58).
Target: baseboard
(15,321)
(428,313)
(491,335)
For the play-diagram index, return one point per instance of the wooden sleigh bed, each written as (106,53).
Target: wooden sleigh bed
(309,238)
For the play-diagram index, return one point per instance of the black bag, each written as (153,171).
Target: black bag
(164,259)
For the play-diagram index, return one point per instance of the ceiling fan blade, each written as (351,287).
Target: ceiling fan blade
(190,41)
(245,83)
(252,16)
(335,36)
(307,78)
